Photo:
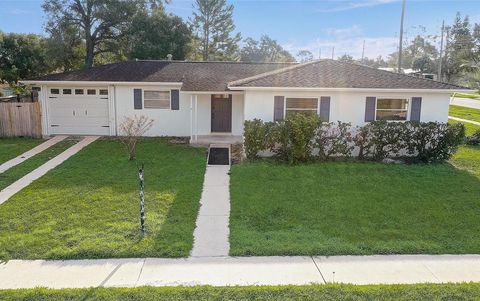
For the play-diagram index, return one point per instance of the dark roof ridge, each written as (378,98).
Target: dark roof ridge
(224,62)
(273,72)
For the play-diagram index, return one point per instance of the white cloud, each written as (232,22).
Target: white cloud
(344,32)
(352,46)
(348,5)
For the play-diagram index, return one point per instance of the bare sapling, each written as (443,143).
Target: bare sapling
(131,130)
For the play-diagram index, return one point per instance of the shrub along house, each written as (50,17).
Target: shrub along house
(209,101)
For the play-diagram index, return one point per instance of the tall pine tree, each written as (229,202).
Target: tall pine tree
(213,25)
(459,50)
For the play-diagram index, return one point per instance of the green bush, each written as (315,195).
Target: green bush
(300,136)
(474,139)
(255,137)
(434,141)
(294,137)
(334,140)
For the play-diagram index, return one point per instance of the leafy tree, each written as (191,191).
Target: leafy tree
(22,56)
(101,22)
(264,50)
(375,63)
(213,26)
(65,48)
(346,58)
(418,54)
(305,56)
(460,49)
(156,34)
(424,64)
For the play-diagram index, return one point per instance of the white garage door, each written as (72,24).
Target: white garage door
(78,111)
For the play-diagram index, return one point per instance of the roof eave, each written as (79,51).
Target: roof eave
(99,83)
(440,91)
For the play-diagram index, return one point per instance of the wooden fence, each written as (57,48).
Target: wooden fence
(20,119)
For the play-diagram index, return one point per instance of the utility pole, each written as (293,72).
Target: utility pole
(319,53)
(363,50)
(439,76)
(401,39)
(333,52)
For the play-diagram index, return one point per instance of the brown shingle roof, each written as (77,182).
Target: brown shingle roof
(215,76)
(196,76)
(337,74)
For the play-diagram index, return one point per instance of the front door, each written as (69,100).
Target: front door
(221,113)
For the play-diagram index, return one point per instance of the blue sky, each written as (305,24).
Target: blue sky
(296,25)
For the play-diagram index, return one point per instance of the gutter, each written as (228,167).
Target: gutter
(98,83)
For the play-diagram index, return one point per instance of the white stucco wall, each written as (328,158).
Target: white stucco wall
(166,122)
(177,122)
(346,106)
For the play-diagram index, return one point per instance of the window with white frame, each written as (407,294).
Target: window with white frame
(391,109)
(301,105)
(156,99)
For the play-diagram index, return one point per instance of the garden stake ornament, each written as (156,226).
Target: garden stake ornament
(142,200)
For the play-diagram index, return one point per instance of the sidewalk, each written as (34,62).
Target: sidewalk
(222,271)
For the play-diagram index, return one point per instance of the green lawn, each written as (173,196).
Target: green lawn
(464,291)
(468,158)
(88,206)
(468,95)
(465,113)
(470,128)
(12,147)
(18,171)
(356,208)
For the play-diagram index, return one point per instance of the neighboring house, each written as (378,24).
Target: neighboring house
(412,72)
(210,100)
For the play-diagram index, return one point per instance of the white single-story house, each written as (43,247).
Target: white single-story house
(211,100)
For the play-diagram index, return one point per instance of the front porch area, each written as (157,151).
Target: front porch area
(216,118)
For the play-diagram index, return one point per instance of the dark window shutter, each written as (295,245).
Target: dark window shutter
(278,108)
(325,108)
(175,95)
(137,99)
(416,109)
(370,109)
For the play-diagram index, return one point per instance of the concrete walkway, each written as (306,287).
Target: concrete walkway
(15,187)
(28,154)
(211,232)
(222,271)
(464,120)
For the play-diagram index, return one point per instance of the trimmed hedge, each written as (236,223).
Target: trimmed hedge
(464,291)
(302,138)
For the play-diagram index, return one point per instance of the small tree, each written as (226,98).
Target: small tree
(131,129)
